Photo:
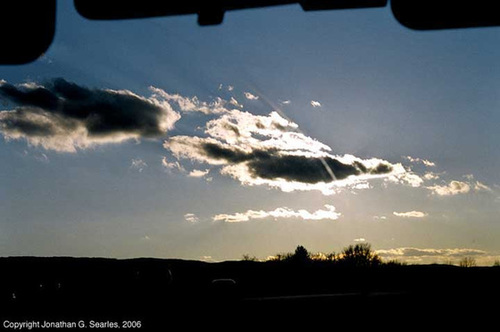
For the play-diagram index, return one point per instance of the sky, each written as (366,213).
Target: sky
(278,128)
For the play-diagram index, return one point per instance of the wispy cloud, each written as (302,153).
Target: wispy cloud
(410,214)
(329,213)
(479,186)
(191,217)
(453,188)
(63,116)
(138,165)
(426,255)
(250,96)
(234,102)
(431,176)
(40,157)
(172,165)
(191,104)
(315,103)
(196,173)
(426,162)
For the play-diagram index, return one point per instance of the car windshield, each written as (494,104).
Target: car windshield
(161,138)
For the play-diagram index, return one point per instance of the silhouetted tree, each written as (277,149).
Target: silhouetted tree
(395,262)
(280,257)
(248,258)
(301,255)
(467,262)
(359,255)
(321,257)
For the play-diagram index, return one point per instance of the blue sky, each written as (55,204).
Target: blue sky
(299,88)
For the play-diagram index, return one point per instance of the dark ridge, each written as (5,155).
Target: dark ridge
(162,293)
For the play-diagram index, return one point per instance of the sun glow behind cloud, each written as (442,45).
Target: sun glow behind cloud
(270,150)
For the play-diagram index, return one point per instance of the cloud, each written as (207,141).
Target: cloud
(250,96)
(138,165)
(328,213)
(453,188)
(426,162)
(191,104)
(315,103)
(459,187)
(207,258)
(172,165)
(410,214)
(269,150)
(478,186)
(196,173)
(469,177)
(191,217)
(408,252)
(42,157)
(419,255)
(228,87)
(361,185)
(234,102)
(431,176)
(64,116)
(406,177)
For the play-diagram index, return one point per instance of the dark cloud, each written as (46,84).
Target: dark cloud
(301,168)
(60,108)
(24,122)
(219,152)
(29,96)
(271,164)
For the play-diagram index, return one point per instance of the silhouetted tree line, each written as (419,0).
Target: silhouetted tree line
(358,255)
